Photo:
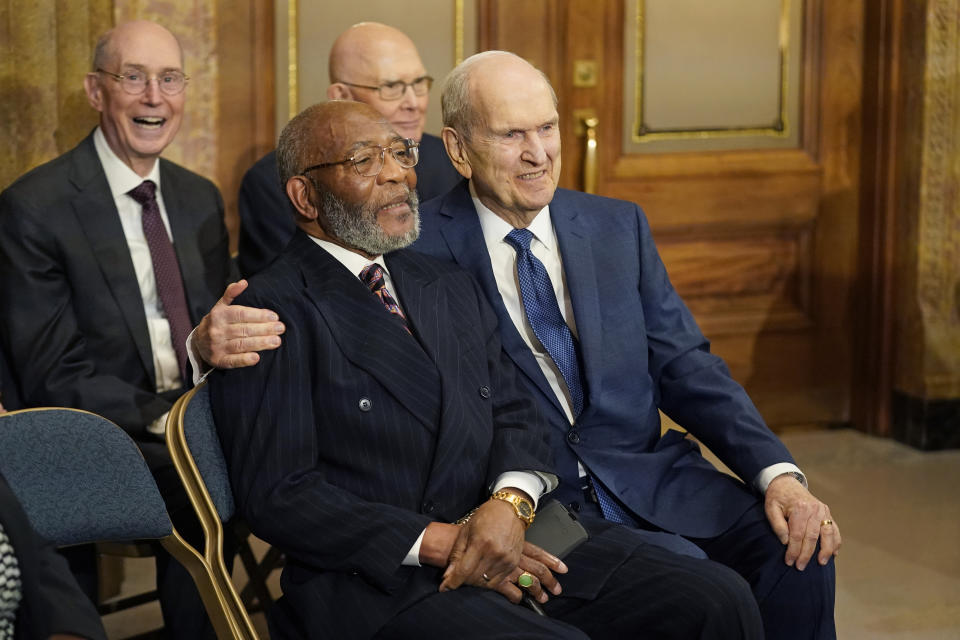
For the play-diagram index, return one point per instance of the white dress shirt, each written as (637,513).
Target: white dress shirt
(503,259)
(532,483)
(122,179)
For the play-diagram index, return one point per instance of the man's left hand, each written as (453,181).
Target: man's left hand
(487,549)
(799,519)
(231,335)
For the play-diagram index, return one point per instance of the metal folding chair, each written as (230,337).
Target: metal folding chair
(195,449)
(82,479)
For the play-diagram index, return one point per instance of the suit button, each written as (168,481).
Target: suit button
(365,404)
(574,506)
(484,392)
(429,507)
(573,437)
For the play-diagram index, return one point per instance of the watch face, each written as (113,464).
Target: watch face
(524,508)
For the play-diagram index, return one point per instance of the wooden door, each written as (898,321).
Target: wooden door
(760,242)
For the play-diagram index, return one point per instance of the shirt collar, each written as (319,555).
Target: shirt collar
(120,177)
(496,228)
(354,262)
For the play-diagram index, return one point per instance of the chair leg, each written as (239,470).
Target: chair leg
(255,594)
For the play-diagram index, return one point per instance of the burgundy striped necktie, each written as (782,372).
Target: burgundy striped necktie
(166,271)
(372,276)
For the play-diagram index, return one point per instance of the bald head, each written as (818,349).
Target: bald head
(369,55)
(111,43)
(315,134)
(478,79)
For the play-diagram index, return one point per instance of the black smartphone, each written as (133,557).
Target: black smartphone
(556,531)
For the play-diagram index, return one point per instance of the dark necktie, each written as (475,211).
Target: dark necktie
(166,272)
(543,314)
(372,276)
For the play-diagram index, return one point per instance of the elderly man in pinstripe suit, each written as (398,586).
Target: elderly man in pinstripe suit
(390,412)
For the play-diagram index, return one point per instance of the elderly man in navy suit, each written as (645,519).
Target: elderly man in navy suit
(391,411)
(371,63)
(602,340)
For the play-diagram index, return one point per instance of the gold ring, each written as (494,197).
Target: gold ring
(525,580)
(485,577)
(826,523)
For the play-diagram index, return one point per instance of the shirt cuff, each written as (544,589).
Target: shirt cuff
(533,483)
(199,373)
(159,426)
(413,556)
(766,476)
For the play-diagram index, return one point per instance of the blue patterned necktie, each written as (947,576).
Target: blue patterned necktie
(543,314)
(372,276)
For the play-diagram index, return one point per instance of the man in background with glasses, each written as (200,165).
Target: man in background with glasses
(371,63)
(108,256)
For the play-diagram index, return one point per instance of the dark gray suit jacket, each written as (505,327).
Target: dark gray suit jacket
(267,217)
(72,319)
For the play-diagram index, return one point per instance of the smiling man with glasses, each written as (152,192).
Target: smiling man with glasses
(371,63)
(109,254)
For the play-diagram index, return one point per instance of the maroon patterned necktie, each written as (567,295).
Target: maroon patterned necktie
(166,271)
(372,276)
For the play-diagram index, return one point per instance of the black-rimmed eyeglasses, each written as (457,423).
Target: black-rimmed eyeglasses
(368,161)
(135,82)
(394,90)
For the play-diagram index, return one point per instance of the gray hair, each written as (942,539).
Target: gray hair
(101,52)
(295,140)
(455,101)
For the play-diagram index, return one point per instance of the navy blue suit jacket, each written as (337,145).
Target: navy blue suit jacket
(267,219)
(348,440)
(72,321)
(641,351)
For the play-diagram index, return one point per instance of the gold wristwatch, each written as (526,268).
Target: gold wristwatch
(522,506)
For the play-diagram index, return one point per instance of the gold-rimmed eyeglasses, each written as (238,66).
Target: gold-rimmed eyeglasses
(368,161)
(394,89)
(135,82)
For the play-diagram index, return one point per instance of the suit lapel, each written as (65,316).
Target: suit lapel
(461,230)
(184,242)
(97,215)
(367,334)
(577,252)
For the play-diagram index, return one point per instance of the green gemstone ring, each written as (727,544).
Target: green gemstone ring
(525,580)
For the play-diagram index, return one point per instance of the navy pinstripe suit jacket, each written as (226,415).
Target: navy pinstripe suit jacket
(344,443)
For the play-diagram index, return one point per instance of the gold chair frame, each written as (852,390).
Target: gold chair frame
(237,624)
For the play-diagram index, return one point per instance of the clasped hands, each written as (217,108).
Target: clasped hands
(489,552)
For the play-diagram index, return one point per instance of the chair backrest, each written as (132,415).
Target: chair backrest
(195,449)
(203,445)
(80,477)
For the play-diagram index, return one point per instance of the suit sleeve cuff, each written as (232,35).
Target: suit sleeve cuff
(766,476)
(413,556)
(533,483)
